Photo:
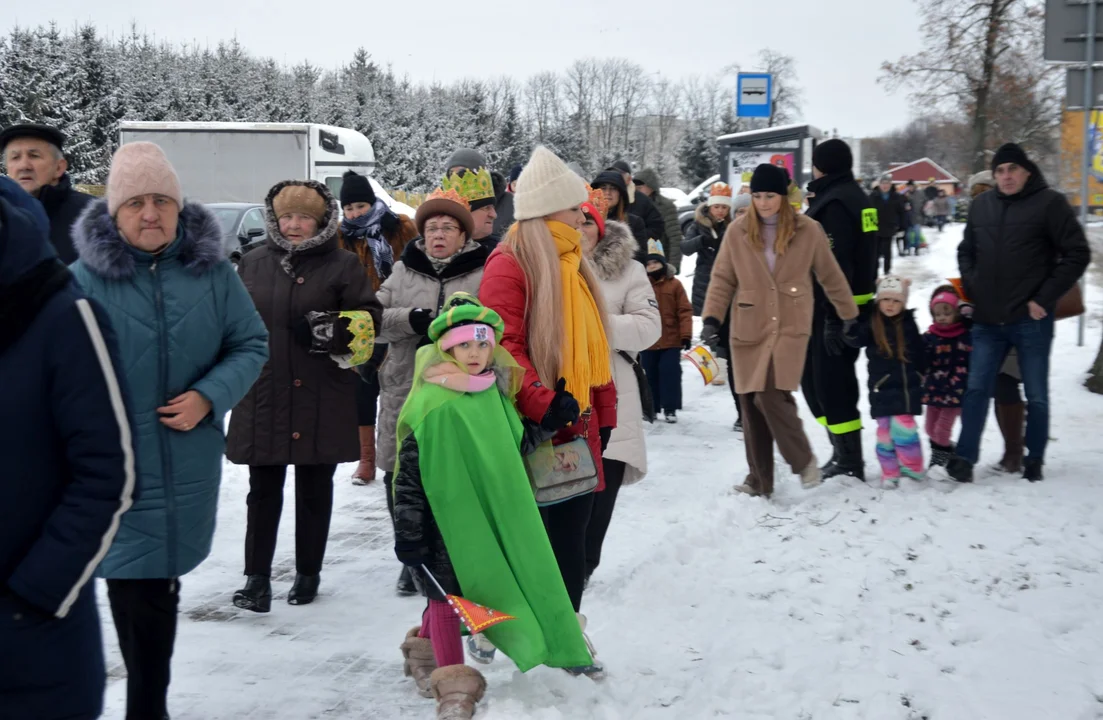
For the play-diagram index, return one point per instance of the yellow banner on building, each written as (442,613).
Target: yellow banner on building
(1072,143)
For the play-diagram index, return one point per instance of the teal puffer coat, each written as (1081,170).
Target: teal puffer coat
(184,322)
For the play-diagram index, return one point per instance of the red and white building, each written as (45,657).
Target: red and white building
(923,172)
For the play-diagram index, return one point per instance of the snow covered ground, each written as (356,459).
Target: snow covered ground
(934,601)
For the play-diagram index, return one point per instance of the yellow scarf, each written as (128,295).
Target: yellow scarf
(585,354)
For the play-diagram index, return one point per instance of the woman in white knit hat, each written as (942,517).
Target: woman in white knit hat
(547,293)
(192,344)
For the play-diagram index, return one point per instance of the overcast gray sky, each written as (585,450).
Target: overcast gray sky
(839,45)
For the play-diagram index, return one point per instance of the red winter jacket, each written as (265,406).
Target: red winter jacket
(503,290)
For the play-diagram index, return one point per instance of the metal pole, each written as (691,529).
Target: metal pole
(1085,166)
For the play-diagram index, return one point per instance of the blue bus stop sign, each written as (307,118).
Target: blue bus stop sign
(754,95)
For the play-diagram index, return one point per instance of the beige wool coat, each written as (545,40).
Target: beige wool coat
(634,325)
(771,313)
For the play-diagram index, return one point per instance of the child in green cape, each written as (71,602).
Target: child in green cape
(464,509)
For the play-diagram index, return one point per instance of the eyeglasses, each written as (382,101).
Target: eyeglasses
(446,229)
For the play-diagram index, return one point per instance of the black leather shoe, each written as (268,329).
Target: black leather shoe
(1032,470)
(256,595)
(304,589)
(405,586)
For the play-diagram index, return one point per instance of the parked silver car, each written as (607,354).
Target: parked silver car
(687,208)
(242,223)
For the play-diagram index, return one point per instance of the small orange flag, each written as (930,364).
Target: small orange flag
(474,616)
(960,287)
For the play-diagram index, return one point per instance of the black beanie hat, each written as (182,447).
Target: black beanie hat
(770,178)
(614,178)
(1011,153)
(833,156)
(356,188)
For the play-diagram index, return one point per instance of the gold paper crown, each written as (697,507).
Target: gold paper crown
(449,194)
(598,200)
(720,190)
(473,186)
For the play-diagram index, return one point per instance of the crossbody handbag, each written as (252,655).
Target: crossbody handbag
(563,472)
(647,403)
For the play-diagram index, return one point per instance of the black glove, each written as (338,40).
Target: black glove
(605,433)
(687,344)
(833,340)
(301,332)
(850,332)
(389,222)
(710,334)
(342,335)
(563,411)
(420,319)
(411,555)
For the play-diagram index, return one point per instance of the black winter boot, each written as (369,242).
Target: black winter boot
(304,589)
(256,595)
(1032,470)
(960,469)
(405,586)
(849,461)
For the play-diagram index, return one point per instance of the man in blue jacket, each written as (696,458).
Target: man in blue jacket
(66,440)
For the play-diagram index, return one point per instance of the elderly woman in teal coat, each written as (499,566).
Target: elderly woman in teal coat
(191,345)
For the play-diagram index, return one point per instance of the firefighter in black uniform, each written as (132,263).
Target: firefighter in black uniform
(830,384)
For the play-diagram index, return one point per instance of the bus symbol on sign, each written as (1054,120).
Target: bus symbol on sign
(754,91)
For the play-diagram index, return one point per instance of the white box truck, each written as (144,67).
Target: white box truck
(231,162)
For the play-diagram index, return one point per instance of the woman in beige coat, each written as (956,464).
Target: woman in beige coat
(634,324)
(765,265)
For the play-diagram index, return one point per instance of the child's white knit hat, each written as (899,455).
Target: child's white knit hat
(893,287)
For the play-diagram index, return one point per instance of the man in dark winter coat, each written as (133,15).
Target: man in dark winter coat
(830,384)
(504,205)
(641,206)
(892,218)
(33,157)
(1022,250)
(66,440)
(647,182)
(483,207)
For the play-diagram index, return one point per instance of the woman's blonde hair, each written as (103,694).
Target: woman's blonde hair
(786,227)
(531,244)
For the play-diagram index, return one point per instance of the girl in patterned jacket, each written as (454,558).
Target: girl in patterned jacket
(949,343)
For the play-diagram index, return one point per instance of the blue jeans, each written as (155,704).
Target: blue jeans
(991,343)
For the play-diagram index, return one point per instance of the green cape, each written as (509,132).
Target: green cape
(479,492)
